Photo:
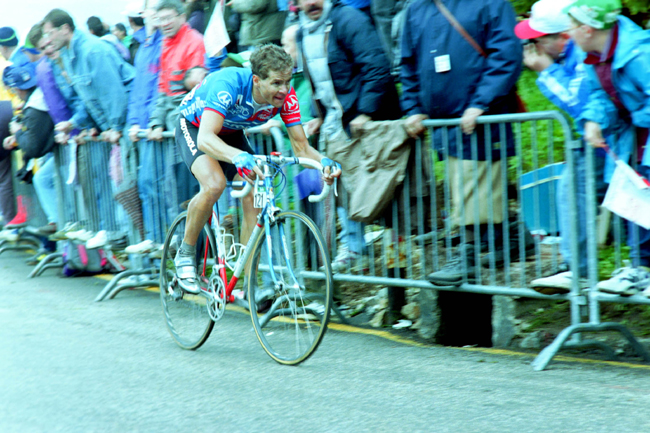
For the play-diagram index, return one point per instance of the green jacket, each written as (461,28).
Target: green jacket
(261,21)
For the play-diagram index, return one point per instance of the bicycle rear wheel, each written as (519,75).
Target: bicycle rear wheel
(186,314)
(295,324)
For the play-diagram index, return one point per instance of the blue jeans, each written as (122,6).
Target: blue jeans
(151,174)
(43,181)
(562,198)
(351,232)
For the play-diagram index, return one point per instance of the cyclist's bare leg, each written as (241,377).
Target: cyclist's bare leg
(212,182)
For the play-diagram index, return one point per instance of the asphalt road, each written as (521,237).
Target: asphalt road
(71,365)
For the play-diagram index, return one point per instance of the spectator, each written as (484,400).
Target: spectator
(182,49)
(618,55)
(105,92)
(66,109)
(134,12)
(261,22)
(194,76)
(98,28)
(142,102)
(33,134)
(383,12)
(119,31)
(362,5)
(9,48)
(101,79)
(444,76)
(195,11)
(562,79)
(59,112)
(352,83)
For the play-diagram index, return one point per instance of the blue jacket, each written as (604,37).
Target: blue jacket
(101,79)
(80,118)
(630,68)
(565,82)
(358,66)
(473,81)
(142,99)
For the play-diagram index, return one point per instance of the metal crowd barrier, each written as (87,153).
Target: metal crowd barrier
(420,230)
(27,201)
(424,235)
(85,195)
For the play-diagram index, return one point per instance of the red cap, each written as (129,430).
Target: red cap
(524,31)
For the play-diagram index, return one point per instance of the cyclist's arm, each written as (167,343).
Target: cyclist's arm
(208,140)
(302,149)
(300,144)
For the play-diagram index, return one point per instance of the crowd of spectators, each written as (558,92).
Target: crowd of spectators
(454,58)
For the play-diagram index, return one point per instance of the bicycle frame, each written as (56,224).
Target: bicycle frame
(265,217)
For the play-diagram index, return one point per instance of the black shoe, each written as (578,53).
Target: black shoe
(263,298)
(499,253)
(452,273)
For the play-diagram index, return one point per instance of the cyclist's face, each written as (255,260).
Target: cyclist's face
(274,88)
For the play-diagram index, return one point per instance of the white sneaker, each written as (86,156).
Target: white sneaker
(558,283)
(97,241)
(10,235)
(349,260)
(80,235)
(626,281)
(143,247)
(646,292)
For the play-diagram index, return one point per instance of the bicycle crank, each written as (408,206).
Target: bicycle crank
(217,297)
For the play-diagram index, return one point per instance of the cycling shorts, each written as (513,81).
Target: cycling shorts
(186,140)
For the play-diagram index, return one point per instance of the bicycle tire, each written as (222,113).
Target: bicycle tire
(186,317)
(293,328)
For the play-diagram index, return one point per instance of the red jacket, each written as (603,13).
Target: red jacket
(179,53)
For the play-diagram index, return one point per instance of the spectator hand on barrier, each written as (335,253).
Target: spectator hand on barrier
(155,134)
(594,135)
(413,125)
(357,124)
(468,120)
(111,135)
(133,133)
(266,128)
(65,126)
(9,142)
(313,126)
(14,127)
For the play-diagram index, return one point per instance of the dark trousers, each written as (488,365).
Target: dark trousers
(7,197)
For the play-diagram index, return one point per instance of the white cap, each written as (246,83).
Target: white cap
(546,17)
(134,9)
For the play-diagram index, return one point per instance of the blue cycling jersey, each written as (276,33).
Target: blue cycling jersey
(229,92)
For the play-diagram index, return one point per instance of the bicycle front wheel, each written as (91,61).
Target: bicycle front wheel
(293,268)
(186,314)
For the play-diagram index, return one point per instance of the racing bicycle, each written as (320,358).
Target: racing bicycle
(285,260)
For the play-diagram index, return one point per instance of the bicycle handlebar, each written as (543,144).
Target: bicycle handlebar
(280,160)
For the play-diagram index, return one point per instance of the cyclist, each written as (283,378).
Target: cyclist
(209,133)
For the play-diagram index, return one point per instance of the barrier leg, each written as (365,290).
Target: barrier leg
(115,281)
(545,356)
(144,283)
(47,263)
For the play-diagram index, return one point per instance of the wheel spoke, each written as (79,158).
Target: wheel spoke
(297,320)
